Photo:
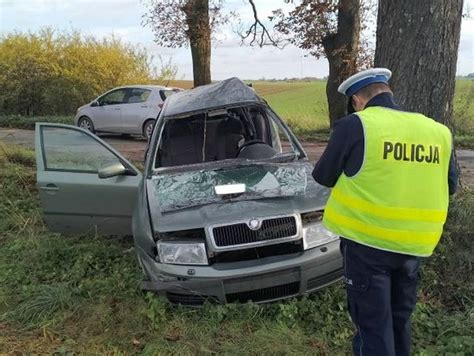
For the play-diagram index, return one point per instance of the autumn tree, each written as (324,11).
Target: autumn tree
(188,23)
(418,41)
(328,29)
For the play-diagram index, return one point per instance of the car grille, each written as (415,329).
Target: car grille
(321,281)
(189,299)
(241,234)
(258,252)
(264,294)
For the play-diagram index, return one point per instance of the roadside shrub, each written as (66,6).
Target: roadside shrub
(53,72)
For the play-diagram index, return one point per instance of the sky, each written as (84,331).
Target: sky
(123,19)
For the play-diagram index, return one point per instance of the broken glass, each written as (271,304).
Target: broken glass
(182,190)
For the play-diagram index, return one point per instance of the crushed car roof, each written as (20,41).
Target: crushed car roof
(144,86)
(228,92)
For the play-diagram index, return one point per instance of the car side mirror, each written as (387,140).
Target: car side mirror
(95,103)
(113,170)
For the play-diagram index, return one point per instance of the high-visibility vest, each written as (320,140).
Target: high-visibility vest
(398,201)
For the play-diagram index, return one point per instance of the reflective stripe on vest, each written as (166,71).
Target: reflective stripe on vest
(398,201)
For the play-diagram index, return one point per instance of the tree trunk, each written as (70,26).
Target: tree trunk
(199,34)
(341,51)
(418,41)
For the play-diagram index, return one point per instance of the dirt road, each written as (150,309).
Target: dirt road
(133,148)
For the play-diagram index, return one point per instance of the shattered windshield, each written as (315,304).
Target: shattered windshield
(251,133)
(176,191)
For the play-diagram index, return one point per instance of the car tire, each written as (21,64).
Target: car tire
(148,128)
(85,123)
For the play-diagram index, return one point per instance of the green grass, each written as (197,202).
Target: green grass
(464,141)
(63,294)
(463,116)
(303,105)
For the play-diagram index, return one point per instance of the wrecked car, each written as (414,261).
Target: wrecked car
(226,209)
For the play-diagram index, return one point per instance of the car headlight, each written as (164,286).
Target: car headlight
(182,253)
(316,235)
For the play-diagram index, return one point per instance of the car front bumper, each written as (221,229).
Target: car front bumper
(264,280)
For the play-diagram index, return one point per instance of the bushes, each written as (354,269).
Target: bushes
(56,72)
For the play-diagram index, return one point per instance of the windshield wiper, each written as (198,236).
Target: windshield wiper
(285,157)
(233,162)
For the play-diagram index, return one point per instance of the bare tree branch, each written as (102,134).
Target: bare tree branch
(258,33)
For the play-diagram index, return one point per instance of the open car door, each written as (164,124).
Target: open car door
(85,186)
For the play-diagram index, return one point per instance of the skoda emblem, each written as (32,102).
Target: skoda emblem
(254,224)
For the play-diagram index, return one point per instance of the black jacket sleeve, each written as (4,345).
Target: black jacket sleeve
(453,174)
(343,153)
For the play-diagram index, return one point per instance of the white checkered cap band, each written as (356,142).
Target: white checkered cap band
(369,73)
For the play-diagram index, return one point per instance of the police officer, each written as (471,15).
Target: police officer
(391,172)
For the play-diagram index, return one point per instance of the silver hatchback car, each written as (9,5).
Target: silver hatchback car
(127,110)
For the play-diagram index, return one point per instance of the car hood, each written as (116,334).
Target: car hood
(82,107)
(187,200)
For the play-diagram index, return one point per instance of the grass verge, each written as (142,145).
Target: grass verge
(464,141)
(63,294)
(28,122)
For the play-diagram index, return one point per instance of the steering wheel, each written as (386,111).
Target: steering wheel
(250,143)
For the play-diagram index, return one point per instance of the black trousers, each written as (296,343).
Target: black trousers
(381,295)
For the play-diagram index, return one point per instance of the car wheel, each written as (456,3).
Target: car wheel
(86,123)
(148,129)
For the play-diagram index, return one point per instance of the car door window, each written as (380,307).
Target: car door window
(138,95)
(114,97)
(280,140)
(74,151)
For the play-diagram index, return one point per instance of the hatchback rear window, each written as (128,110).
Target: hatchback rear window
(168,92)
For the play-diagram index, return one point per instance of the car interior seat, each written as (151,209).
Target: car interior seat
(181,143)
(229,136)
(135,99)
(259,123)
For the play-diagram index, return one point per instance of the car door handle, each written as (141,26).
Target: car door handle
(50,187)
(144,106)
(117,108)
